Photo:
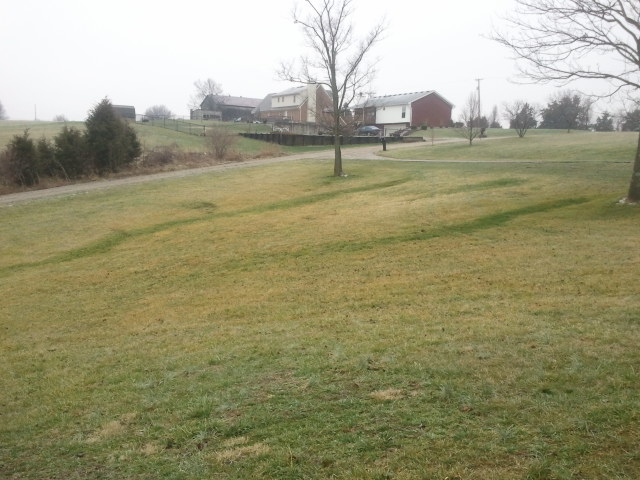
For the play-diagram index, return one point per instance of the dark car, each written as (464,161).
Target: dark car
(369,130)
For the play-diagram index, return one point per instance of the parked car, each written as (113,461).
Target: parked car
(368,130)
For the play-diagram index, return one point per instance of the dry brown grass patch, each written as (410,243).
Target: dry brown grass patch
(111,429)
(236,449)
(387,395)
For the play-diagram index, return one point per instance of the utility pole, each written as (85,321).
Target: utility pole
(479,105)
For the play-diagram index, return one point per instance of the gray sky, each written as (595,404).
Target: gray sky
(61,57)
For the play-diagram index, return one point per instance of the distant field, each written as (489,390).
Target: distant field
(10,128)
(474,321)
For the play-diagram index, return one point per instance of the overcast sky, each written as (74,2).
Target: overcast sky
(61,57)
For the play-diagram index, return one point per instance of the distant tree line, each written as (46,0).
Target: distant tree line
(631,121)
(107,143)
(567,111)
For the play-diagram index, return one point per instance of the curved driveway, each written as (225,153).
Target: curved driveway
(368,152)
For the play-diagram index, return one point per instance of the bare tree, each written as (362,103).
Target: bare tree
(204,88)
(158,111)
(565,40)
(521,116)
(3,113)
(470,119)
(337,58)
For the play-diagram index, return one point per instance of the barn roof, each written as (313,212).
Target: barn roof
(126,111)
(240,101)
(229,101)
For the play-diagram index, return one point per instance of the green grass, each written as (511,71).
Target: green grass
(546,146)
(410,321)
(37,129)
(448,133)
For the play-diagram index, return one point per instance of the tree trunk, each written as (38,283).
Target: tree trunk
(337,162)
(634,188)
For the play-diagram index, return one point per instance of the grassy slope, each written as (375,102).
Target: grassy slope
(155,136)
(474,321)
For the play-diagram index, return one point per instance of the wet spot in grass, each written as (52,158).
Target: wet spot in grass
(488,185)
(207,206)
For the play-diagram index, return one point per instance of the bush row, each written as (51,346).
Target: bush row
(107,143)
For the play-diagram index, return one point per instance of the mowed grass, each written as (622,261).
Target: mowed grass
(410,321)
(543,145)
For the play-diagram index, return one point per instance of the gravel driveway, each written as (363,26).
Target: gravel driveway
(368,152)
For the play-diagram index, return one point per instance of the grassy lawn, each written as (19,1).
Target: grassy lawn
(546,145)
(446,133)
(409,321)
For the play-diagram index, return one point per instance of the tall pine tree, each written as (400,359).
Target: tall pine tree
(111,141)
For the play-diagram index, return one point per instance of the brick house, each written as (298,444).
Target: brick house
(396,112)
(305,105)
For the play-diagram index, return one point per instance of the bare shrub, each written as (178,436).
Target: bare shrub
(161,156)
(221,141)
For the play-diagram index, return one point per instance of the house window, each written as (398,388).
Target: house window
(404,111)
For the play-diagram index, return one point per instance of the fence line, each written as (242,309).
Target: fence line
(299,140)
(176,124)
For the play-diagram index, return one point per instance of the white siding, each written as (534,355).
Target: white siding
(286,101)
(392,114)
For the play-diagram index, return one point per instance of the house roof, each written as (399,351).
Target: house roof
(292,91)
(398,99)
(229,101)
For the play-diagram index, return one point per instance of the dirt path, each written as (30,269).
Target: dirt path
(368,152)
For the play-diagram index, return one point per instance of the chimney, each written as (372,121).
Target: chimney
(311,102)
